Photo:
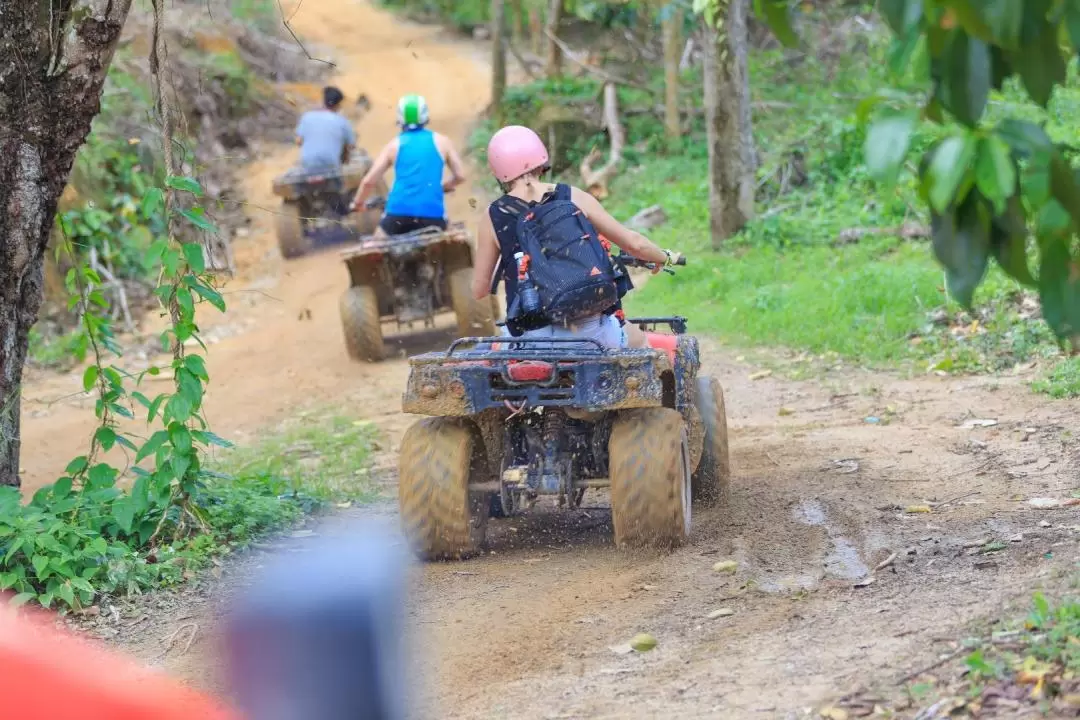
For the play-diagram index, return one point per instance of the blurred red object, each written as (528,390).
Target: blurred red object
(48,674)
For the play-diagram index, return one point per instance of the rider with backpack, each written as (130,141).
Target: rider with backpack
(543,240)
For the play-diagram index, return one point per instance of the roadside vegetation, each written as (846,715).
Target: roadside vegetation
(71,544)
(141,228)
(834,266)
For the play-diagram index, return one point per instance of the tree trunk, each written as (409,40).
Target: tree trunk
(517,27)
(52,67)
(536,31)
(729,134)
(498,58)
(672,49)
(553,59)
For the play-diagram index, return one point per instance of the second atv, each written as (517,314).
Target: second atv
(407,279)
(516,418)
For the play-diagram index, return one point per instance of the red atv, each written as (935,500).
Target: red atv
(516,418)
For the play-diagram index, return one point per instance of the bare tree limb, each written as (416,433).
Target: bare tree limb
(525,64)
(594,71)
(596,180)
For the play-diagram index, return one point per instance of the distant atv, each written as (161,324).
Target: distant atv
(406,279)
(513,419)
(315,207)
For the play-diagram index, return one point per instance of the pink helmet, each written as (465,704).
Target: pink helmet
(514,151)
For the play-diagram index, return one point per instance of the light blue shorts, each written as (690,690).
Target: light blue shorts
(605,329)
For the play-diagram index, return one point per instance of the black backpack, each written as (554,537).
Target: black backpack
(568,265)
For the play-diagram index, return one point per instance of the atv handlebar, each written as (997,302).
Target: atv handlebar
(631,261)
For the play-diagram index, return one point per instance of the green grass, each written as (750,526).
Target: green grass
(327,457)
(1062,381)
(1033,660)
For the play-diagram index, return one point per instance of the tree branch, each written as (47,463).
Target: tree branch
(596,180)
(594,71)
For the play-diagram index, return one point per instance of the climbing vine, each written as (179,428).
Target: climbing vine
(84,535)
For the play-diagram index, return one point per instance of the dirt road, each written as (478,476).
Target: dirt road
(825,475)
(279,348)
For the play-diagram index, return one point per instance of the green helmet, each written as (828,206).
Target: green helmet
(412,112)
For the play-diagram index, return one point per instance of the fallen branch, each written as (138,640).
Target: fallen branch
(594,71)
(117,288)
(596,180)
(907,231)
(525,64)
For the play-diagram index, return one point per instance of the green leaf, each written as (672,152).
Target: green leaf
(151,446)
(185,301)
(177,408)
(76,466)
(1005,19)
(180,438)
(961,242)
(1041,66)
(193,253)
(776,17)
(90,377)
(1023,136)
(106,436)
(123,513)
(101,475)
(901,15)
(152,411)
(22,598)
(887,143)
(61,488)
(41,565)
(208,438)
(1059,288)
(950,165)
(1052,220)
(1072,22)
(1008,239)
(66,593)
(184,184)
(967,78)
(197,217)
(125,442)
(995,172)
(197,365)
(210,295)
(151,202)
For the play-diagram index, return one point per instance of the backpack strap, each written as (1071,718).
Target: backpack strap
(504,207)
(563,192)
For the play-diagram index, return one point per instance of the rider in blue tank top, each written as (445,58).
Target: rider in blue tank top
(418,157)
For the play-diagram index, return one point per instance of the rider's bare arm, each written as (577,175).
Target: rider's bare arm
(382,163)
(628,240)
(487,256)
(453,162)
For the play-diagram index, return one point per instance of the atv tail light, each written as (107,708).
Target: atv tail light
(531,371)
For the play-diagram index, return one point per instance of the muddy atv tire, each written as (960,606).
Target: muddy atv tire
(441,518)
(290,232)
(474,317)
(650,478)
(360,323)
(712,476)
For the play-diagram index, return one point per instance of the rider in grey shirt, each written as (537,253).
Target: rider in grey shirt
(325,136)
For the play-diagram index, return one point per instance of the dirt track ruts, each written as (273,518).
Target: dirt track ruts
(526,631)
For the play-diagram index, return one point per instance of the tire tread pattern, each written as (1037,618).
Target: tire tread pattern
(648,451)
(437,458)
(361,325)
